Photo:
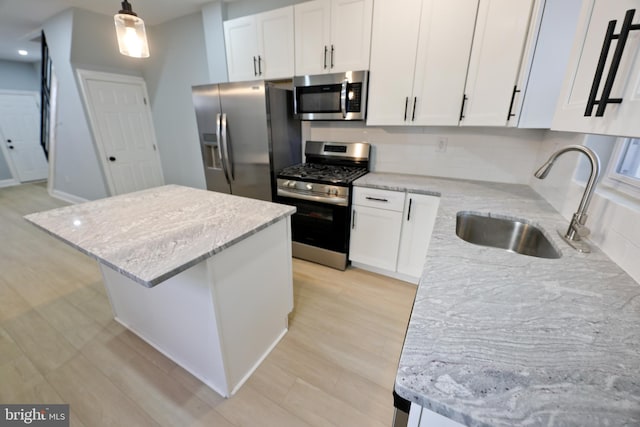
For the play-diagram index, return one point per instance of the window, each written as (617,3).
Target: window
(624,168)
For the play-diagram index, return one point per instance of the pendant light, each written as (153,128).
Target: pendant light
(132,37)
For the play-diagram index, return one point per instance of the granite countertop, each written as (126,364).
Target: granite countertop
(152,235)
(502,339)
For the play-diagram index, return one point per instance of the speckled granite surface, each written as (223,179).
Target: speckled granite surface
(501,339)
(152,235)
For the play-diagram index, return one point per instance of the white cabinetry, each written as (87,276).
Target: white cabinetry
(431,56)
(376,223)
(390,231)
(420,216)
(599,96)
(260,46)
(545,62)
(504,67)
(332,36)
(422,417)
(498,43)
(418,68)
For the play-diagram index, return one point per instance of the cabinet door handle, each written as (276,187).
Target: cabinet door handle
(413,114)
(353,220)
(513,97)
(409,210)
(332,52)
(259,65)
(255,70)
(615,63)
(613,68)
(325,56)
(377,199)
(406,105)
(464,100)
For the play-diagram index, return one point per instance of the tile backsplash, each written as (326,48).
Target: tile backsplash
(612,217)
(490,154)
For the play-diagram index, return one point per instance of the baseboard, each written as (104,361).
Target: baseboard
(405,278)
(70,198)
(8,182)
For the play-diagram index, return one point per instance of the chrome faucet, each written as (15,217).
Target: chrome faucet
(577,229)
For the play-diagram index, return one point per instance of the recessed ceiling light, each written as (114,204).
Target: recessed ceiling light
(23,52)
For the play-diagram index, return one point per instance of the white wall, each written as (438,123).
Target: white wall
(612,218)
(488,154)
(212,19)
(95,46)
(18,76)
(178,62)
(238,8)
(77,171)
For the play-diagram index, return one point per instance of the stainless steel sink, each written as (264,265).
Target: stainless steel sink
(509,234)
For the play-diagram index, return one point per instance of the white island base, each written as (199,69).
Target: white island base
(220,318)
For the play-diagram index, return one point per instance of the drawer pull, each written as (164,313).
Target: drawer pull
(377,199)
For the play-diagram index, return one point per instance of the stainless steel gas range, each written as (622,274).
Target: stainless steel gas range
(320,189)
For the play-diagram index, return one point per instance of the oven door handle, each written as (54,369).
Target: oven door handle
(343,98)
(339,201)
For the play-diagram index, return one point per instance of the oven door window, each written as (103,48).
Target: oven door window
(321,225)
(319,99)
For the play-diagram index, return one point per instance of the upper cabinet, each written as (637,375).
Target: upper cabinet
(601,92)
(498,43)
(545,62)
(332,36)
(445,62)
(260,46)
(418,69)
(422,75)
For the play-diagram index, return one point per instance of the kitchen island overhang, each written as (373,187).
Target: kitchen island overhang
(204,277)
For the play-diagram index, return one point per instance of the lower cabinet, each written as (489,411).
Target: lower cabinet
(419,216)
(391,230)
(423,417)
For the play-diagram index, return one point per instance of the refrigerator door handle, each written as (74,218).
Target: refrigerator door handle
(221,147)
(227,153)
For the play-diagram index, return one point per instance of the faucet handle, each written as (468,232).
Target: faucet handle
(581,230)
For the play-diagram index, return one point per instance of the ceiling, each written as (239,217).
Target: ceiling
(21,20)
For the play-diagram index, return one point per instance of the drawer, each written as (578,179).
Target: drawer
(377,198)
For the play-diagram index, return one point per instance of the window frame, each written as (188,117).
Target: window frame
(618,181)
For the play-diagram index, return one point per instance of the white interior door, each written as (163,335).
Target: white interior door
(20,131)
(122,126)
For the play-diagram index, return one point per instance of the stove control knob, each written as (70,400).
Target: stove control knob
(291,184)
(309,187)
(285,184)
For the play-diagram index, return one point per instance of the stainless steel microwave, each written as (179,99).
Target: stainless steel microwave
(339,96)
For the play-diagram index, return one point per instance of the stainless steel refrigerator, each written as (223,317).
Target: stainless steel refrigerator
(248,133)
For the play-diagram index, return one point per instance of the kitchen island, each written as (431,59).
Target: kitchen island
(204,277)
(502,339)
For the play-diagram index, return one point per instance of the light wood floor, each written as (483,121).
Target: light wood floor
(59,344)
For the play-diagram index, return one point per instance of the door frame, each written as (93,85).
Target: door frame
(7,156)
(83,77)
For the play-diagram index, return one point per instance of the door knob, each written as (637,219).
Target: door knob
(112,159)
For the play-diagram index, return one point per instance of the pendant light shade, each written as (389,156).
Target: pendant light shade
(132,37)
